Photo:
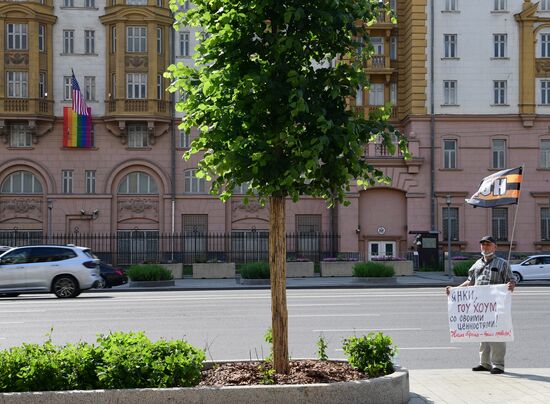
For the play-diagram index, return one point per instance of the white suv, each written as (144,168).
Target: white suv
(63,270)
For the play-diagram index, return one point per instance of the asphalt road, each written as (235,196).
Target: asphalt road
(231,324)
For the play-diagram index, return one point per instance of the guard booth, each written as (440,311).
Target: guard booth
(427,246)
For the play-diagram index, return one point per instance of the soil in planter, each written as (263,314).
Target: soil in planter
(301,372)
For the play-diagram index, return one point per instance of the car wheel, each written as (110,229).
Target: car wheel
(102,284)
(65,286)
(517,277)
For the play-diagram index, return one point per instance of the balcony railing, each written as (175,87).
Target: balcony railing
(139,106)
(26,106)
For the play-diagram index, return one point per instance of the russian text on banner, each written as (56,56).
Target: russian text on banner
(480,314)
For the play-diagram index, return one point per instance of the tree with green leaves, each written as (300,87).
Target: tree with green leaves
(270,94)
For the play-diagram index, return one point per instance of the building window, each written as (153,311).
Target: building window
(544,5)
(89,4)
(89,88)
(241,189)
(89,176)
(376,94)
(137,182)
(112,95)
(545,153)
(499,5)
(17,84)
(68,3)
(42,38)
(160,89)
(159,40)
(453,213)
(136,84)
(393,48)
(184,44)
(378,44)
(193,184)
(451,5)
(499,153)
(544,45)
(42,85)
(359,97)
(500,223)
(67,94)
(499,92)
(393,93)
(449,153)
(449,41)
(545,92)
(21,182)
(499,45)
(186,5)
(545,224)
(137,136)
(68,41)
(449,92)
(136,2)
(113,38)
(20,136)
(184,140)
(136,39)
(159,3)
(67,178)
(89,42)
(17,36)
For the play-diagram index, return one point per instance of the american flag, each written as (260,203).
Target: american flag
(79,105)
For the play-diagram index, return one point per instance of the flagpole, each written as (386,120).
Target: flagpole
(515,218)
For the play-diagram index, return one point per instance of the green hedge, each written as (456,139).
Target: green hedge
(149,272)
(372,354)
(460,268)
(119,360)
(372,269)
(255,270)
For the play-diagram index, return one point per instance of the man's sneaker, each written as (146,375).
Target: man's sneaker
(481,368)
(496,371)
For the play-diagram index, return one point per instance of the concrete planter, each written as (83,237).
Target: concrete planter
(150,284)
(296,269)
(176,269)
(337,268)
(390,389)
(214,270)
(375,280)
(401,268)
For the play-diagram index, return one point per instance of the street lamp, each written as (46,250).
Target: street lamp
(449,264)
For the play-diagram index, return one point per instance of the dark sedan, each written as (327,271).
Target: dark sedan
(112,276)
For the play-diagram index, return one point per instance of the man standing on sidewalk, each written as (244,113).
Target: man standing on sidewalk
(489,270)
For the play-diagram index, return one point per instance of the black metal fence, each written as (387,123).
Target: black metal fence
(133,247)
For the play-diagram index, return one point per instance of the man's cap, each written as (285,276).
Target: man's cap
(487,239)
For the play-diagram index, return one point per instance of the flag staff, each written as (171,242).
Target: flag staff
(514,224)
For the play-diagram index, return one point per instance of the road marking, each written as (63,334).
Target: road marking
(335,315)
(11,322)
(323,304)
(21,311)
(368,329)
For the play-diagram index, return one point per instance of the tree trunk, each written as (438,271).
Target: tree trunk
(277,270)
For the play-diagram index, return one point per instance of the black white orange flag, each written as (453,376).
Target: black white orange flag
(501,188)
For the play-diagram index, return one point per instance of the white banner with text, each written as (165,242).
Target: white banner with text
(480,314)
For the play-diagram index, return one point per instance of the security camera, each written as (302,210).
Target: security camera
(82,212)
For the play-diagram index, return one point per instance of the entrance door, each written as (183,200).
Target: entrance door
(381,249)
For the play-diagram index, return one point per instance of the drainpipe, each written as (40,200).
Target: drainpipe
(173,149)
(432,119)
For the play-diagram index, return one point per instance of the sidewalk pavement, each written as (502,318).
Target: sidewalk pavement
(438,386)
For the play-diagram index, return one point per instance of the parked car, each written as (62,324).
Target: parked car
(62,270)
(112,276)
(4,248)
(535,267)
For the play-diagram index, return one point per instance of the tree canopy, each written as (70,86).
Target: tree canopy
(270,94)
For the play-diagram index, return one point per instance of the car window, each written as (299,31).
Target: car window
(546,260)
(20,256)
(51,254)
(532,261)
(90,254)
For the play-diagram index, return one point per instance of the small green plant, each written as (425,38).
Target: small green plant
(255,270)
(372,269)
(267,372)
(268,337)
(460,268)
(371,354)
(322,348)
(149,272)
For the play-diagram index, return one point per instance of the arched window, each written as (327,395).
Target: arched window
(138,182)
(21,182)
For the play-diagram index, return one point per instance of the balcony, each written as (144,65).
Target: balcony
(26,106)
(139,107)
(367,108)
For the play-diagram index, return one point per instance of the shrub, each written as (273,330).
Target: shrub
(461,268)
(120,360)
(149,272)
(255,270)
(372,269)
(371,354)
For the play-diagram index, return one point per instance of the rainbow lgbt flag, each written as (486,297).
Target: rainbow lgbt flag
(77,129)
